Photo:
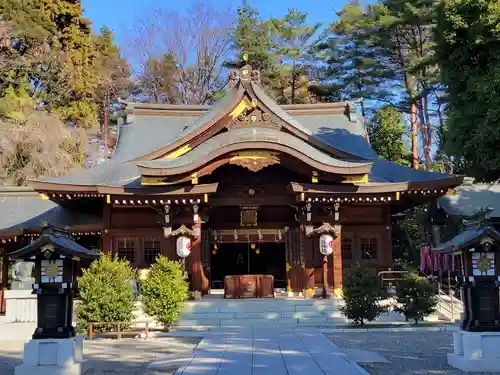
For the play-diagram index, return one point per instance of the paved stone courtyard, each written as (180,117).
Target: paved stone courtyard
(408,353)
(398,353)
(113,357)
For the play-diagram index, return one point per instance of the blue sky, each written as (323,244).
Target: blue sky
(120,14)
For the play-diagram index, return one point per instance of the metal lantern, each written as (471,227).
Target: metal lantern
(183,246)
(326,244)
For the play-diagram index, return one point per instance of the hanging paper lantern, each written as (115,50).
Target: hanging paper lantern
(326,244)
(183,246)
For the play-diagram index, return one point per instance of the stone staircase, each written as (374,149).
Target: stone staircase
(450,308)
(214,311)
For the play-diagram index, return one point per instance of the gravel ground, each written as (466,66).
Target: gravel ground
(410,353)
(111,357)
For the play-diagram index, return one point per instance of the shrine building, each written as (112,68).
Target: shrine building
(250,179)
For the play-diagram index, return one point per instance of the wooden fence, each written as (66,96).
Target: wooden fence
(119,331)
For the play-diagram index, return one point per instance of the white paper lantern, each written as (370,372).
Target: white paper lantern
(183,246)
(326,244)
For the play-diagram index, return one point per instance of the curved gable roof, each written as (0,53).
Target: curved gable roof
(253,138)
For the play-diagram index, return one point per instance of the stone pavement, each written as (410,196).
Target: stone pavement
(273,351)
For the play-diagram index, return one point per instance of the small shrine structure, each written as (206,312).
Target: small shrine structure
(477,344)
(54,349)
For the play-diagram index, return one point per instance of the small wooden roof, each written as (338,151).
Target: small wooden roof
(61,240)
(473,233)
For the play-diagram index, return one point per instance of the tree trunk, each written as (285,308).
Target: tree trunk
(414,137)
(106,123)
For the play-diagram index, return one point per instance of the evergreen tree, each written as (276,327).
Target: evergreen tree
(356,63)
(48,44)
(292,36)
(72,37)
(113,74)
(363,294)
(404,31)
(253,37)
(387,135)
(468,53)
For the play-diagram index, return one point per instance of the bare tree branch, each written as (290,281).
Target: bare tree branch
(199,39)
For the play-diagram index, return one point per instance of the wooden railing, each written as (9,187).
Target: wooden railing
(119,331)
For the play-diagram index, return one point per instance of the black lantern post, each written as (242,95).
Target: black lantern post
(478,246)
(56,256)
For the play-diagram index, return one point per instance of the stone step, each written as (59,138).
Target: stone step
(251,322)
(262,315)
(261,306)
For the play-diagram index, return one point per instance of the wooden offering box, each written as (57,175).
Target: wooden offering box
(249,286)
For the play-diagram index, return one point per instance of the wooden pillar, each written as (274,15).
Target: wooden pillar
(196,271)
(205,260)
(337,268)
(308,268)
(106,245)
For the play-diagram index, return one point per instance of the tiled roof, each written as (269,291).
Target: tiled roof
(202,152)
(22,208)
(470,235)
(149,133)
(61,240)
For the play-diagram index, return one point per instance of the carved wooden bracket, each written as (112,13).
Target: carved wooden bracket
(254,162)
(183,231)
(255,117)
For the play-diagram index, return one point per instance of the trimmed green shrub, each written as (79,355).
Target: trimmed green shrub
(105,293)
(164,291)
(416,297)
(362,292)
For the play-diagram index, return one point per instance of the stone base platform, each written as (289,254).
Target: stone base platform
(475,351)
(52,357)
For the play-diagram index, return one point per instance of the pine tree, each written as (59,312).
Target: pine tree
(404,30)
(355,62)
(113,74)
(292,41)
(72,37)
(253,37)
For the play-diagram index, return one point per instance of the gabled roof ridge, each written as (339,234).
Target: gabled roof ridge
(152,109)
